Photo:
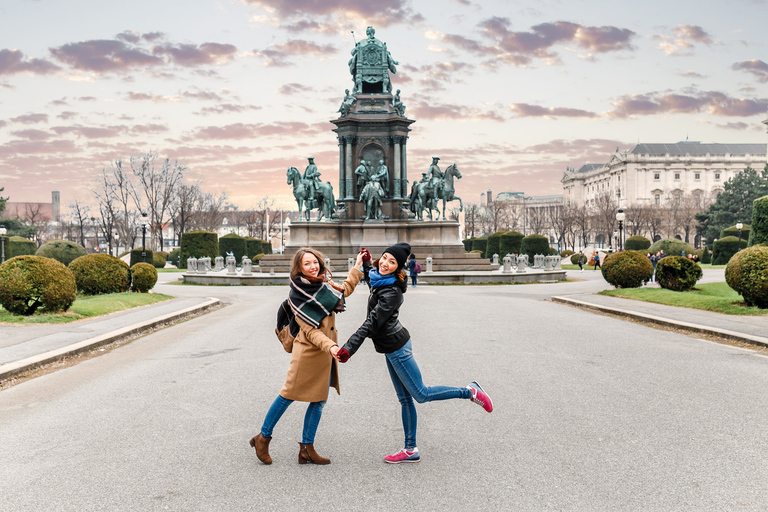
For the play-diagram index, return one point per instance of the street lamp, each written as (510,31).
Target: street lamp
(739,225)
(620,218)
(117,244)
(3,231)
(144,221)
(615,238)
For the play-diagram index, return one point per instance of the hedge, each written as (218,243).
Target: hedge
(266,247)
(480,244)
(751,276)
(725,248)
(467,244)
(637,243)
(677,273)
(566,253)
(510,243)
(195,244)
(173,256)
(28,283)
(734,231)
(136,256)
(18,246)
(627,269)
(671,247)
(143,277)
(62,251)
(494,245)
(233,243)
(706,255)
(759,233)
(100,273)
(252,247)
(533,245)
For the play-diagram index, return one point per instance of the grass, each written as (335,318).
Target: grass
(86,306)
(716,297)
(169,270)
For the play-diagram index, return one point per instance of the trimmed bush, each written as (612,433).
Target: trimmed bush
(706,255)
(252,247)
(677,273)
(158,260)
(164,254)
(480,244)
(18,246)
(575,258)
(759,233)
(100,273)
(725,248)
(467,244)
(233,243)
(753,284)
(671,247)
(510,243)
(266,247)
(28,283)
(566,253)
(746,229)
(173,256)
(195,244)
(143,277)
(63,251)
(136,256)
(733,272)
(533,245)
(494,245)
(637,243)
(257,258)
(627,269)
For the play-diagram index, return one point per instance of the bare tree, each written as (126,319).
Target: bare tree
(496,215)
(211,210)
(537,219)
(38,220)
(560,219)
(581,220)
(260,215)
(80,212)
(183,208)
(471,219)
(604,217)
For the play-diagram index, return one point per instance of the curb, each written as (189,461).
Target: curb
(12,369)
(724,333)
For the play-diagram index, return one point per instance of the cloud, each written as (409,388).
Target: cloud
(248,131)
(134,37)
(692,74)
(682,42)
(281,55)
(3,123)
(30,119)
(435,76)
(379,13)
(293,88)
(190,55)
(32,134)
(429,109)
(712,102)
(13,61)
(526,110)
(90,132)
(149,128)
(734,126)
(201,95)
(67,114)
(143,96)
(227,108)
(757,67)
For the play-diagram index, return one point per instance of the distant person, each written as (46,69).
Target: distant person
(582,259)
(597,262)
(414,268)
(653,259)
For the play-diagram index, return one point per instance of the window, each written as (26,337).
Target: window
(656,176)
(717,175)
(677,175)
(657,197)
(697,176)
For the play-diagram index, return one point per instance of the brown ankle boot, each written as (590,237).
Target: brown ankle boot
(307,454)
(261,444)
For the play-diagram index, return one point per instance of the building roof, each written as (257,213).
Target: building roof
(589,167)
(697,148)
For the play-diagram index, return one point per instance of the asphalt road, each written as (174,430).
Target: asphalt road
(592,413)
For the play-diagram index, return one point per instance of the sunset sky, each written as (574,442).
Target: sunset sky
(512,92)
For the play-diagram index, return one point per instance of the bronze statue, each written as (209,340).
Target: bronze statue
(371,63)
(346,103)
(397,104)
(362,176)
(311,193)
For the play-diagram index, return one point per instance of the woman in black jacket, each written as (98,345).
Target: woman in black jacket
(388,284)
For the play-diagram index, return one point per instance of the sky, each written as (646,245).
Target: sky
(512,92)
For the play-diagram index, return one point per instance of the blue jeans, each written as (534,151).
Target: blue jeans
(406,377)
(311,418)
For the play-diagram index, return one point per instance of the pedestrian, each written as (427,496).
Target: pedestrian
(413,266)
(653,259)
(597,261)
(315,299)
(582,259)
(388,283)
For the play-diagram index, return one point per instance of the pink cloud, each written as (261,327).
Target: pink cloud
(526,110)
(682,42)
(248,131)
(381,12)
(90,132)
(430,109)
(281,55)
(30,119)
(13,61)
(32,134)
(103,56)
(191,55)
(227,108)
(149,128)
(293,88)
(712,102)
(756,67)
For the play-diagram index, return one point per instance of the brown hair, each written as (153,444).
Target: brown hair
(400,273)
(296,271)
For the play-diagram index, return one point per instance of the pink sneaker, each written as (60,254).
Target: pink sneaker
(403,456)
(480,397)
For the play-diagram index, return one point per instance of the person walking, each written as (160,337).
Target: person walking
(654,258)
(581,260)
(413,266)
(388,283)
(597,261)
(315,299)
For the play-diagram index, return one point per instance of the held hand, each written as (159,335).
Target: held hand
(359,262)
(366,254)
(342,355)
(335,352)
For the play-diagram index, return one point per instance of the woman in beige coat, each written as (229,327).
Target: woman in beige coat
(314,300)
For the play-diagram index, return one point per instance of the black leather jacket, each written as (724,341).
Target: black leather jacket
(382,324)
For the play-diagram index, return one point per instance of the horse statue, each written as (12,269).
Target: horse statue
(372,196)
(447,190)
(323,200)
(426,197)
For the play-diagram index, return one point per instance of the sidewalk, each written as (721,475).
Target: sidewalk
(27,346)
(747,329)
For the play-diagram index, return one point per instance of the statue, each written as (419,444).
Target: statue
(382,176)
(398,105)
(374,192)
(371,63)
(312,176)
(435,175)
(346,103)
(363,176)
(312,193)
(434,186)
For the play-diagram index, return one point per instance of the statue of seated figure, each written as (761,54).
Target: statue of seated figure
(370,65)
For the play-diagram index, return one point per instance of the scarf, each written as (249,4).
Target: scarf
(313,301)
(378,280)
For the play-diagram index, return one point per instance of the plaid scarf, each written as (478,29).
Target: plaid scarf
(314,301)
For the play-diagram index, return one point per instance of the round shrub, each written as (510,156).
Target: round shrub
(746,229)
(733,272)
(100,273)
(759,233)
(725,248)
(627,269)
(62,251)
(158,260)
(754,276)
(575,258)
(510,243)
(136,256)
(671,247)
(637,243)
(233,243)
(480,244)
(28,283)
(677,273)
(18,246)
(195,244)
(706,255)
(533,245)
(566,253)
(257,258)
(173,256)
(164,254)
(494,245)
(143,276)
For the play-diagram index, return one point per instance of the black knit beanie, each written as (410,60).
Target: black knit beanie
(400,251)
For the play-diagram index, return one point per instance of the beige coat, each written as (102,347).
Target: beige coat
(313,369)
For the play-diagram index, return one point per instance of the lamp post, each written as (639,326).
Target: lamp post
(144,221)
(620,218)
(117,244)
(3,231)
(96,230)
(616,239)
(739,225)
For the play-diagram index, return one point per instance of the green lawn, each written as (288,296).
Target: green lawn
(171,270)
(87,306)
(717,297)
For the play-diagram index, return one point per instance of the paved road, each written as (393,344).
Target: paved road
(592,413)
